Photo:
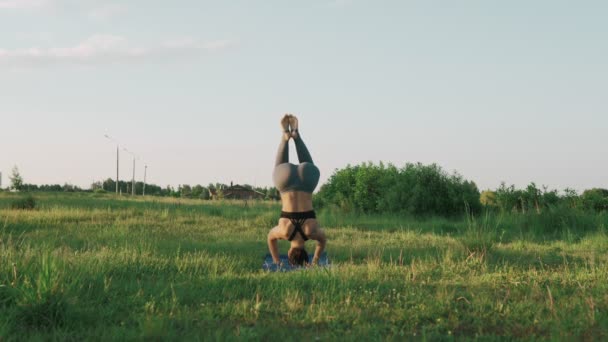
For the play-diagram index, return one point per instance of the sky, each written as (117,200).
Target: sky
(511,91)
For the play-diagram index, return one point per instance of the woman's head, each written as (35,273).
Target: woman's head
(297,256)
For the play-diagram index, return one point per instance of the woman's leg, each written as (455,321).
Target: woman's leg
(283,153)
(303,154)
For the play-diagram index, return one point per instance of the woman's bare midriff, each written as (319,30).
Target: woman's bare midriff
(296,201)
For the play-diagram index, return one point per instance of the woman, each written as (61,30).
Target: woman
(296,183)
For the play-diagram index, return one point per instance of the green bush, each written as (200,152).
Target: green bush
(595,199)
(414,189)
(24,203)
(531,199)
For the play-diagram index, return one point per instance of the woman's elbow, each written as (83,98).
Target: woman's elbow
(271,237)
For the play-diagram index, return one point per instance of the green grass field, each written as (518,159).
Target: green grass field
(84,266)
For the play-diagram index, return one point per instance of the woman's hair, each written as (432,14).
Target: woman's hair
(297,256)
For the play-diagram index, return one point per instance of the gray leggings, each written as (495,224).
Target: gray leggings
(283,153)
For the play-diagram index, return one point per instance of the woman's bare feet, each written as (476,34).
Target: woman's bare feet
(285,124)
(293,123)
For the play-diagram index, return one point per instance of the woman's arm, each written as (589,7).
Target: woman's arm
(321,241)
(273,245)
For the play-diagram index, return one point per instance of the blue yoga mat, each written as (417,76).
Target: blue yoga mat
(269,265)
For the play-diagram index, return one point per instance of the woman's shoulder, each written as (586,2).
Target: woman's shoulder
(311,227)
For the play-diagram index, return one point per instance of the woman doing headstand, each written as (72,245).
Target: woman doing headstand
(296,184)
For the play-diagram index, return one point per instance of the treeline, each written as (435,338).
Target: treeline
(535,199)
(50,188)
(125,187)
(181,191)
(420,190)
(415,189)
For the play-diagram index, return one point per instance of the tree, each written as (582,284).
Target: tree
(199,191)
(571,197)
(185,191)
(219,194)
(488,198)
(16,179)
(205,194)
(595,199)
(97,186)
(273,194)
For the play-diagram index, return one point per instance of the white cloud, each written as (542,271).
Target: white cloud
(101,49)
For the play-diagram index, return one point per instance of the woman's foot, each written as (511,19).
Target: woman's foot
(285,124)
(293,123)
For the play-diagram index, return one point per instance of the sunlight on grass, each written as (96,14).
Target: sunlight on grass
(101,267)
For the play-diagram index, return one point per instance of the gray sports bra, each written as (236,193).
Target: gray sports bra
(303,177)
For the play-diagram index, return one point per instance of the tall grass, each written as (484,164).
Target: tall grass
(95,266)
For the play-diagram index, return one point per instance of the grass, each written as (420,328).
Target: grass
(94,266)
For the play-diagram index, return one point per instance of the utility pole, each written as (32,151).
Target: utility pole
(145,171)
(133,180)
(117,161)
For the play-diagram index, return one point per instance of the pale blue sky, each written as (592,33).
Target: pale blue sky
(510,91)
